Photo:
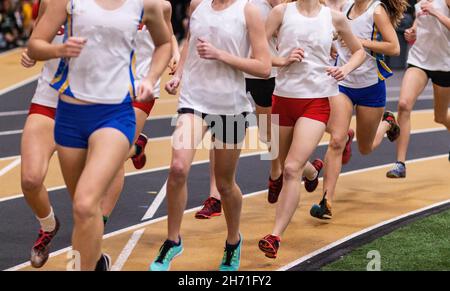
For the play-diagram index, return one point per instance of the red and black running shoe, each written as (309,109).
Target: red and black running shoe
(41,248)
(140,159)
(311,186)
(270,245)
(347,154)
(275,187)
(211,207)
(394,132)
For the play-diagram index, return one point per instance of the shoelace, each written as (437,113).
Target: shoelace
(271,239)
(398,167)
(43,240)
(209,203)
(275,185)
(229,254)
(163,251)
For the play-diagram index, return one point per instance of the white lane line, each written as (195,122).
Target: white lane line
(153,221)
(420,131)
(13,113)
(11,132)
(356,234)
(127,250)
(10,166)
(156,203)
(18,85)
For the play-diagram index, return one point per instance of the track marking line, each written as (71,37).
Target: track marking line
(153,221)
(13,113)
(420,131)
(11,132)
(10,166)
(356,234)
(127,250)
(18,85)
(156,203)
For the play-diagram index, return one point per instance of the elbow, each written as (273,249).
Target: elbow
(266,73)
(395,51)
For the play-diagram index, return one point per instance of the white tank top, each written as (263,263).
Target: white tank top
(145,48)
(103,73)
(210,86)
(309,78)
(44,94)
(363,27)
(431,51)
(265,8)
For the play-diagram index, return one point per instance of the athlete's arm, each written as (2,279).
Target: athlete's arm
(274,3)
(26,61)
(40,46)
(389,45)
(172,86)
(167,8)
(259,65)
(358,54)
(410,33)
(154,20)
(272,26)
(428,8)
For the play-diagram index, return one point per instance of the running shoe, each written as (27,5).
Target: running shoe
(41,248)
(211,207)
(311,186)
(140,159)
(397,171)
(168,251)
(347,154)
(231,257)
(394,132)
(275,187)
(323,210)
(270,245)
(104,264)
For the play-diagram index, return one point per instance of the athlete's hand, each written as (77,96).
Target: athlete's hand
(172,85)
(145,93)
(72,47)
(173,64)
(297,55)
(333,52)
(428,8)
(411,34)
(338,73)
(26,61)
(207,51)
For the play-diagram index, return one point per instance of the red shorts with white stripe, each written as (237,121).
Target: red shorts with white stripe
(292,109)
(42,110)
(144,106)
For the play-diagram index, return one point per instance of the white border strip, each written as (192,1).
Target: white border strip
(10,166)
(18,85)
(147,223)
(127,250)
(356,234)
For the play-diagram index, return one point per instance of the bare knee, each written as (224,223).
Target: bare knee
(225,188)
(292,171)
(85,209)
(365,149)
(442,119)
(178,172)
(32,182)
(337,143)
(404,107)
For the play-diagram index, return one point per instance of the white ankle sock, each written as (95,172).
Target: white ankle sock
(48,223)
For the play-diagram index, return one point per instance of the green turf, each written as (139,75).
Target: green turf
(421,246)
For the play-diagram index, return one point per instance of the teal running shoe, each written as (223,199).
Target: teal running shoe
(168,251)
(231,257)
